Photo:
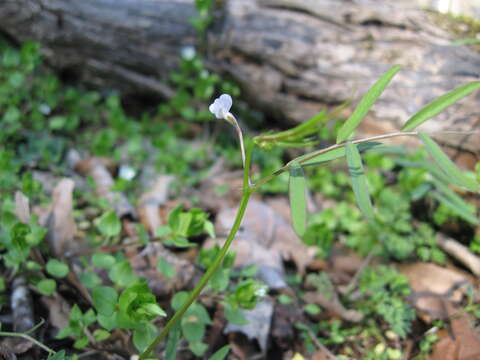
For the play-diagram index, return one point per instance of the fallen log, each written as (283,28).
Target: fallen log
(291,57)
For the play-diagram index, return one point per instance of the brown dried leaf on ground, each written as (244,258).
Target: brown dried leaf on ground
(258,327)
(462,343)
(97,169)
(433,287)
(150,202)
(263,227)
(60,222)
(332,303)
(220,188)
(144,264)
(22,207)
(58,310)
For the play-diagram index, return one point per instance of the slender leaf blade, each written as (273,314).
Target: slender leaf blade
(172,343)
(337,153)
(462,211)
(221,353)
(365,104)
(447,165)
(359,180)
(440,104)
(298,204)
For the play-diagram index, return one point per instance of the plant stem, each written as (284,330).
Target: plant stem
(29,338)
(314,154)
(247,191)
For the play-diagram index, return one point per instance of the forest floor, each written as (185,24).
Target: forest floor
(109,216)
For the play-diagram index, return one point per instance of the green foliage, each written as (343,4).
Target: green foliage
(57,268)
(78,323)
(193,323)
(385,290)
(109,224)
(183,225)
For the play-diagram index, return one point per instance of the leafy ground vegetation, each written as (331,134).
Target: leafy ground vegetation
(109,217)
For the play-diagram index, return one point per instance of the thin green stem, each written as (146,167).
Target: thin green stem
(247,191)
(29,338)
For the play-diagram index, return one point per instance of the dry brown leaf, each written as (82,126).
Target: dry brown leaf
(332,303)
(60,223)
(145,265)
(150,202)
(220,189)
(265,228)
(58,310)
(22,207)
(258,327)
(462,344)
(433,286)
(97,169)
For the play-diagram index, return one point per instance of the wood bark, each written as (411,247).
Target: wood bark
(291,57)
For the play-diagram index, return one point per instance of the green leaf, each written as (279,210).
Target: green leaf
(46,287)
(359,180)
(447,165)
(108,322)
(109,224)
(172,342)
(298,204)
(221,353)
(105,300)
(462,211)
(101,335)
(337,153)
(198,348)
(57,268)
(143,335)
(90,279)
(365,104)
(103,260)
(440,104)
(122,274)
(165,268)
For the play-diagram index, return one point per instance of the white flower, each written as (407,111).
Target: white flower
(221,107)
(188,52)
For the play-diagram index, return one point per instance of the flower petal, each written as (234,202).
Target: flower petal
(226,101)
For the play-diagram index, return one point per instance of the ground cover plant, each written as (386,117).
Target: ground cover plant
(110,255)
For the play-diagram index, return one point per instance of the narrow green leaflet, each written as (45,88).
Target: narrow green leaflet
(336,154)
(359,180)
(365,104)
(440,104)
(447,165)
(172,343)
(221,353)
(462,211)
(298,204)
(451,200)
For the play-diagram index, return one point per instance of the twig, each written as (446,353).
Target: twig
(29,338)
(461,253)
(319,345)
